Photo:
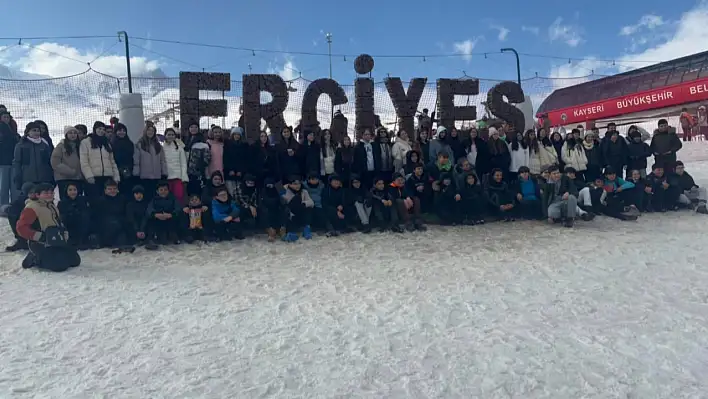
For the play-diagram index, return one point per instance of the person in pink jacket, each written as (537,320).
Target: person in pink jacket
(216,143)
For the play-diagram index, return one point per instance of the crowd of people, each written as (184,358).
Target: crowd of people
(216,186)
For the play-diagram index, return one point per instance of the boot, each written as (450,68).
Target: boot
(702,208)
(17,246)
(271,234)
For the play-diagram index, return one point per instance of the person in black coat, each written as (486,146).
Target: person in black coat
(384,209)
(136,215)
(13,215)
(557,142)
(237,157)
(473,200)
(457,146)
(337,207)
(288,155)
(310,153)
(448,201)
(482,160)
(344,159)
(418,197)
(665,191)
(615,152)
(367,159)
(163,224)
(76,216)
(265,160)
(110,215)
(637,153)
(123,149)
(8,140)
(664,145)
(500,197)
(499,156)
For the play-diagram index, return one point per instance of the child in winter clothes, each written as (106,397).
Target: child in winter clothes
(136,212)
(237,155)
(638,152)
(271,209)
(472,201)
(641,197)
(665,193)
(619,193)
(247,196)
(225,213)
(690,191)
(528,195)
(298,206)
(384,207)
(216,147)
(163,224)
(196,219)
(13,215)
(413,158)
(76,217)
(176,160)
(361,200)
(519,155)
(560,197)
(198,159)
(315,187)
(336,206)
(110,215)
(448,201)
(216,182)
(500,197)
(417,192)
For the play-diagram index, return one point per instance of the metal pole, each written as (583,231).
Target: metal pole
(329,43)
(127,60)
(518,64)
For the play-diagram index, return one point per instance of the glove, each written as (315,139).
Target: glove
(91,180)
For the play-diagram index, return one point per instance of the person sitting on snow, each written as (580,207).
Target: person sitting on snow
(690,191)
(40,224)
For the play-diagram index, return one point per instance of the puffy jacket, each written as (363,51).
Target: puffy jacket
(574,157)
(97,162)
(198,155)
(216,162)
(66,166)
(148,164)
(8,141)
(661,143)
(519,158)
(399,151)
(32,163)
(176,160)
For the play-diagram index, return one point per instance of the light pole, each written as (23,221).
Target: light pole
(518,66)
(329,45)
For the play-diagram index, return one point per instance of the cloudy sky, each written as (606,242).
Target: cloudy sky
(602,37)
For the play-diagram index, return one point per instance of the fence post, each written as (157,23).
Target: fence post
(127,60)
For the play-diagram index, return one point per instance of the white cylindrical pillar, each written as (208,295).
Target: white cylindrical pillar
(131,114)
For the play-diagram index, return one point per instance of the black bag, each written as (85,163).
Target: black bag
(54,237)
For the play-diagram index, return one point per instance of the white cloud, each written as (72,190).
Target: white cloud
(649,21)
(568,34)
(465,48)
(52,59)
(503,32)
(531,29)
(689,36)
(286,70)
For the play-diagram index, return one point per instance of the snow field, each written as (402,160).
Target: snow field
(525,310)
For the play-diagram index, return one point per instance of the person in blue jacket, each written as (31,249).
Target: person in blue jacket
(620,193)
(225,213)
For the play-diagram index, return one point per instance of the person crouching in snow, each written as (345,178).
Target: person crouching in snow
(500,197)
(417,191)
(298,206)
(641,196)
(76,216)
(571,174)
(448,201)
(271,209)
(13,215)
(136,212)
(665,192)
(334,201)
(561,197)
(247,196)
(225,213)
(40,224)
(472,201)
(110,215)
(195,216)
(690,191)
(314,188)
(384,207)
(163,224)
(361,200)
(528,195)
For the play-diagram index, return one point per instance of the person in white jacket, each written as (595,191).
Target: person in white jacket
(519,152)
(328,154)
(573,154)
(176,159)
(539,155)
(401,148)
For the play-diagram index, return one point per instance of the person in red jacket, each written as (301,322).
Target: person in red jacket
(41,225)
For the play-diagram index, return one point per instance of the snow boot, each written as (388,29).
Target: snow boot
(307,233)
(271,235)
(587,216)
(29,261)
(290,237)
(17,246)
(569,223)
(702,208)
(366,229)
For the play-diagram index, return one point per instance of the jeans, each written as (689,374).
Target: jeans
(7,189)
(563,208)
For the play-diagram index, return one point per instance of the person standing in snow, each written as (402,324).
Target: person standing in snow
(32,160)
(149,162)
(66,163)
(97,163)
(176,160)
(198,159)
(665,145)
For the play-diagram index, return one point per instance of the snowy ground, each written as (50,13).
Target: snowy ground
(606,310)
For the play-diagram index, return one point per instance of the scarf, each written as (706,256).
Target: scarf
(444,168)
(38,140)
(588,146)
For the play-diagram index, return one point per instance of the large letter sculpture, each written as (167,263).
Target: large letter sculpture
(190,106)
(406,104)
(364,92)
(314,90)
(448,113)
(502,109)
(272,112)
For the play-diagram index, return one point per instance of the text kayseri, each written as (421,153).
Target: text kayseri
(595,109)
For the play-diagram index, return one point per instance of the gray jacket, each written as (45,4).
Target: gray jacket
(31,163)
(66,166)
(148,164)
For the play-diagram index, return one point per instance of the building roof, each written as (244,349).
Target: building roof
(684,69)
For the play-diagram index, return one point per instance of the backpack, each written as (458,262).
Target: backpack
(54,236)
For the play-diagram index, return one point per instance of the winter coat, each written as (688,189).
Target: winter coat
(198,156)
(436,147)
(424,149)
(637,154)
(473,193)
(499,194)
(518,158)
(482,161)
(246,196)
(176,160)
(412,184)
(361,158)
(545,156)
(32,163)
(166,204)
(310,156)
(137,215)
(528,189)
(327,160)
(221,210)
(549,190)
(684,181)
(110,210)
(8,141)
(615,153)
(302,196)
(501,159)
(459,176)
(123,152)
(574,157)
(332,198)
(289,165)
(410,165)
(264,162)
(399,151)
(75,210)
(237,159)
(457,147)
(217,156)
(315,193)
(593,154)
(149,164)
(97,162)
(66,166)
(661,143)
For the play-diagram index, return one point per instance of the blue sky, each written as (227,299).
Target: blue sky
(624,31)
